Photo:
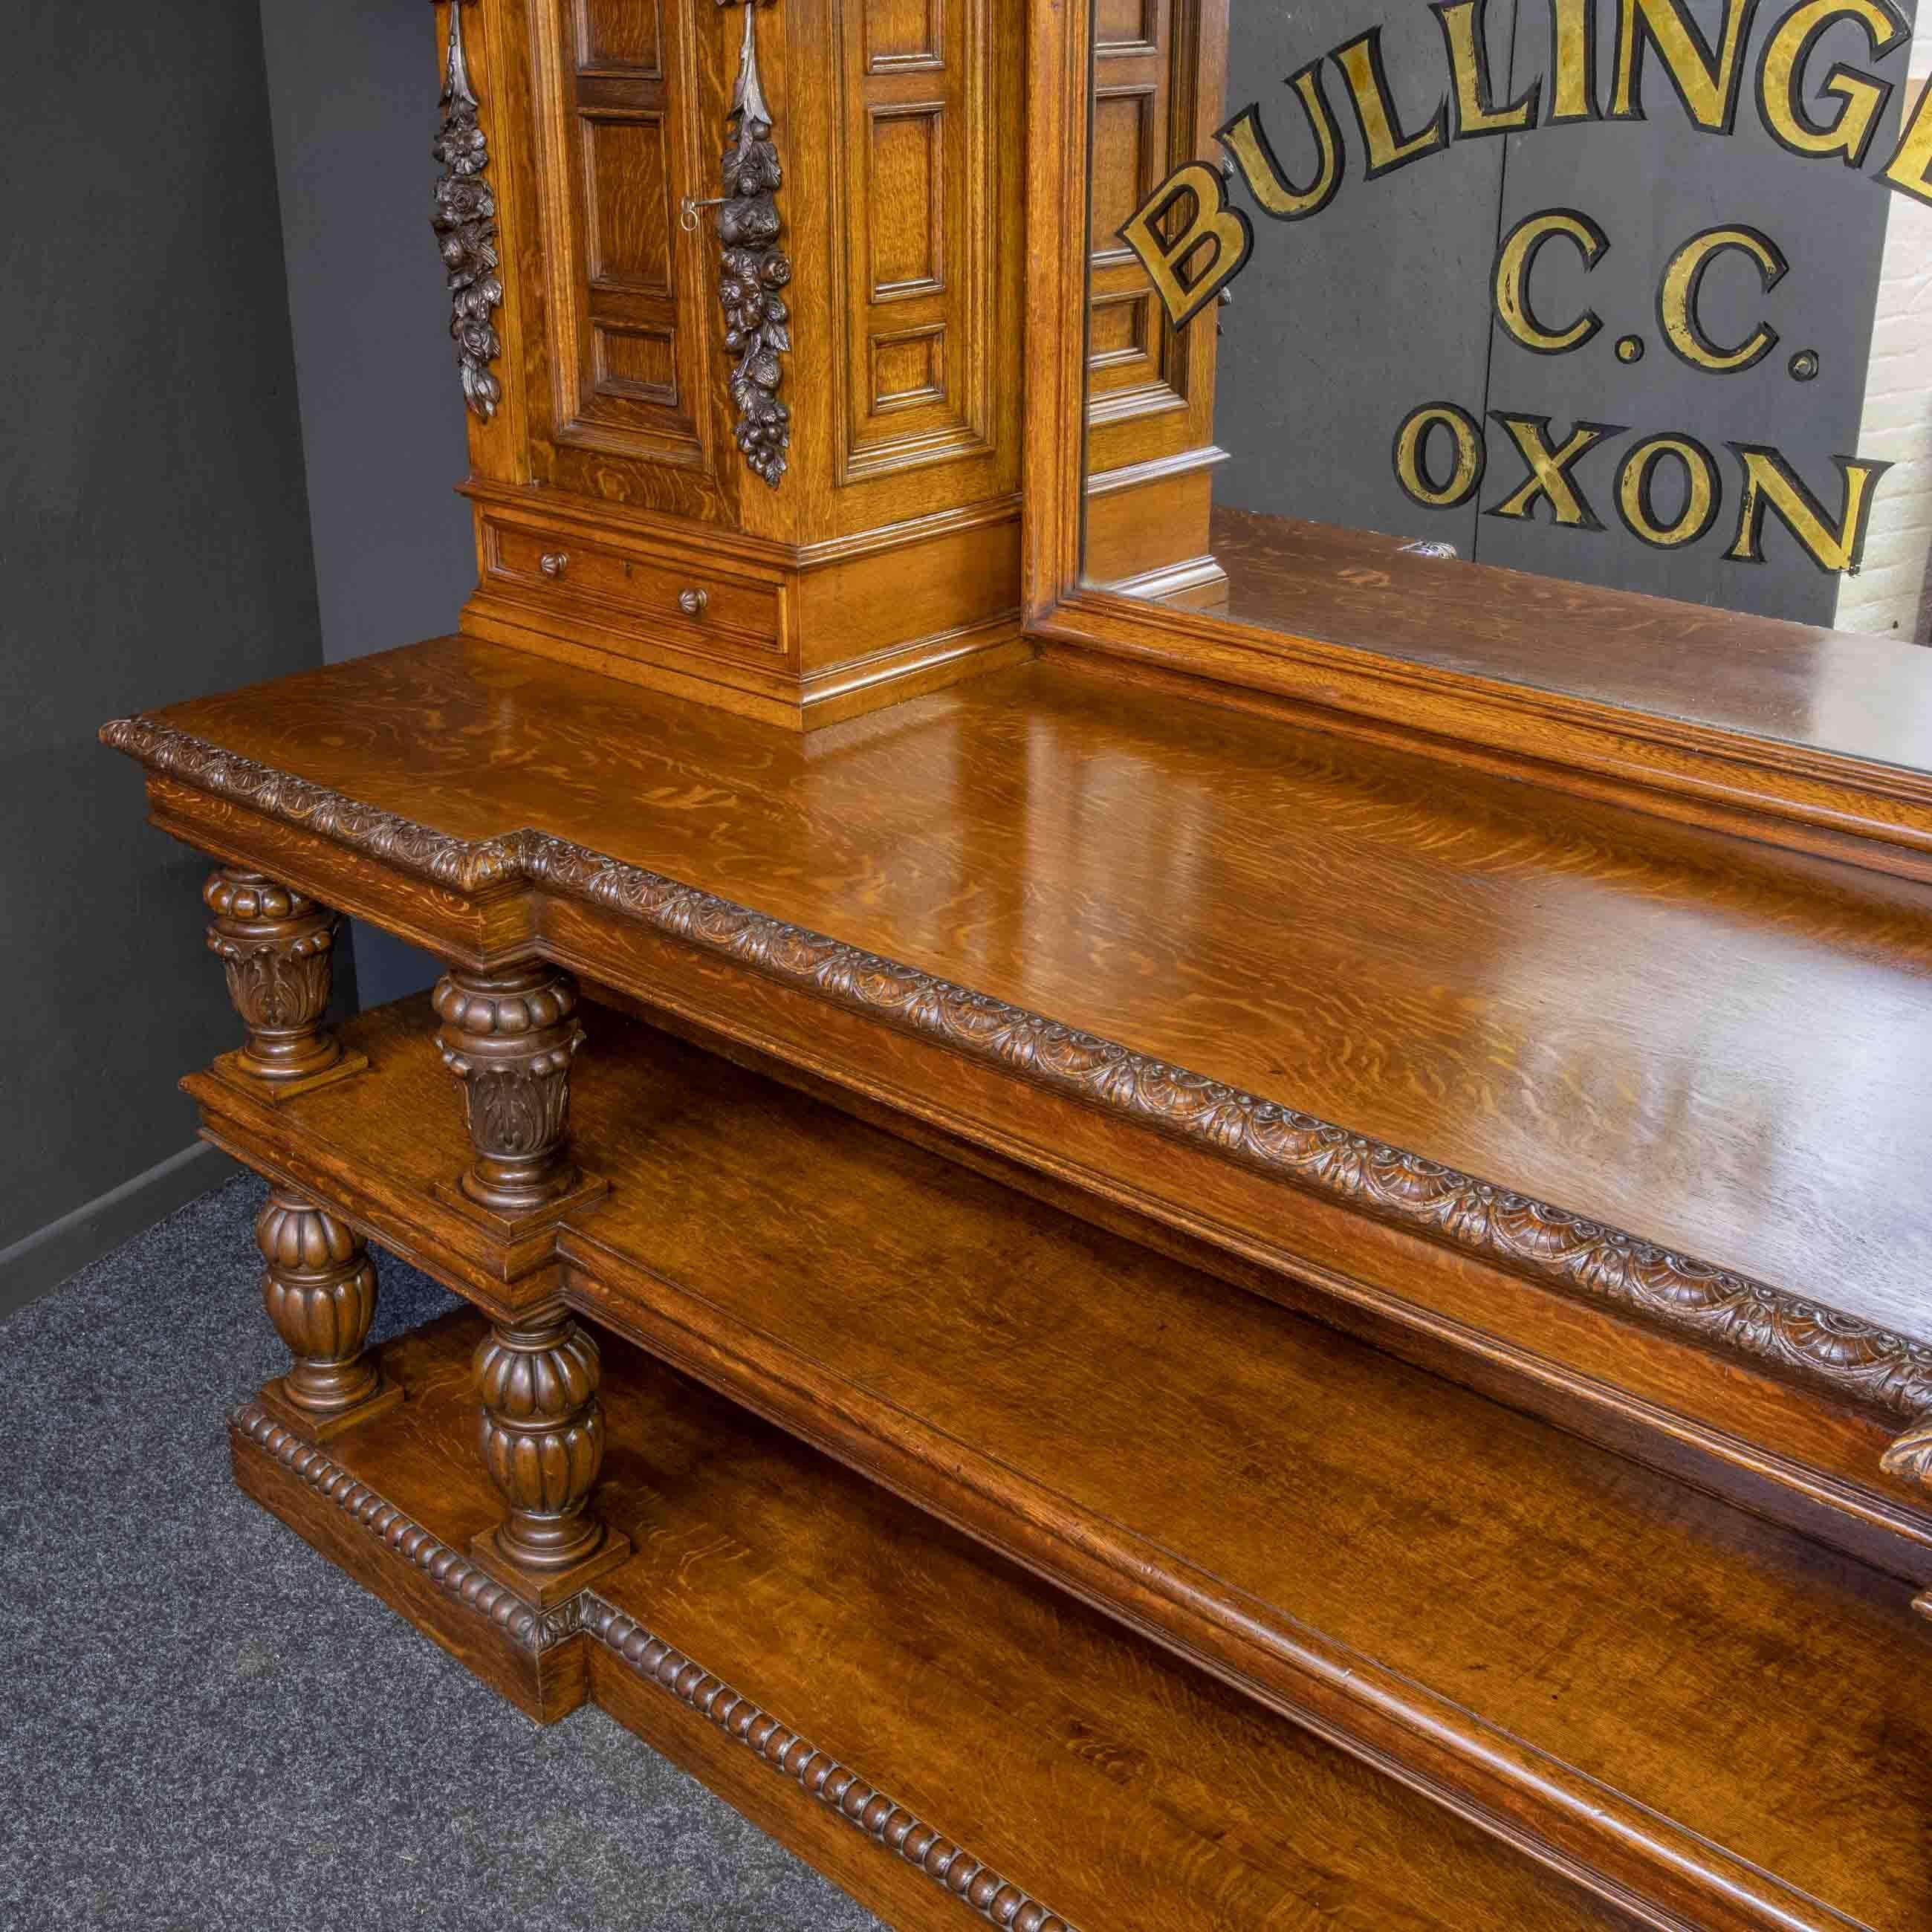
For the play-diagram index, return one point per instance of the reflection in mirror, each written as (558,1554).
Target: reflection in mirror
(1631,299)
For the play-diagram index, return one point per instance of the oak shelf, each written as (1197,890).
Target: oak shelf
(1616,1120)
(1604,1666)
(1077,1763)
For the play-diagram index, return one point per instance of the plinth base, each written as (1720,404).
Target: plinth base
(546,1589)
(228,1067)
(274,1398)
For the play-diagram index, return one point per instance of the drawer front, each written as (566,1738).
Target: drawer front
(694,600)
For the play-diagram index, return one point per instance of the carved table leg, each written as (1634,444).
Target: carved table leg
(510,1036)
(541,1433)
(275,945)
(320,1289)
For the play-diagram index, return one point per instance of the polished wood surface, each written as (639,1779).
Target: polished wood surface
(1782,791)
(1717,1047)
(1467,1595)
(1365,1301)
(1868,698)
(1080,1763)
(618,524)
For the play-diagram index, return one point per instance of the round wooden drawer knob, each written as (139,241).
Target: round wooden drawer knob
(692,602)
(553,562)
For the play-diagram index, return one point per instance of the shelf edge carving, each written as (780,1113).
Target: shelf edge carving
(449,1569)
(1841,1355)
(465,222)
(864,1807)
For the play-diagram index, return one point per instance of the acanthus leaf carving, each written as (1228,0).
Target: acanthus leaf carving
(1909,1457)
(1849,1357)
(510,1038)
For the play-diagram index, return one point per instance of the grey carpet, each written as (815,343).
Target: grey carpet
(204,1725)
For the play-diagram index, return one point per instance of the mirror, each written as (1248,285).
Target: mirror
(1465,332)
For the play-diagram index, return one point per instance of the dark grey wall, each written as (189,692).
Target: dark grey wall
(154,544)
(353,90)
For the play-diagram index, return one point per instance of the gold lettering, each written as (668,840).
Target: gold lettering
(1572,61)
(1183,295)
(1909,170)
(1549,469)
(1770,484)
(1469,69)
(1861,97)
(1245,139)
(1388,148)
(1465,478)
(1517,257)
(1706,82)
(1677,299)
(1636,492)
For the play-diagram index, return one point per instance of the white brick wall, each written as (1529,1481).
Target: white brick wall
(1891,594)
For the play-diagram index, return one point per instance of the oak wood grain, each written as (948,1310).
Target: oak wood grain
(1080,1762)
(1548,1635)
(1717,1046)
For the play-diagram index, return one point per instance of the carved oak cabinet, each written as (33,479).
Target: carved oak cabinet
(740,332)
(1116,1278)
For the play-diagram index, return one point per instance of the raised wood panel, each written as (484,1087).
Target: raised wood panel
(922,170)
(1125,26)
(907,200)
(620,36)
(627,217)
(903,34)
(1132,149)
(639,362)
(909,367)
(1129,124)
(1119,328)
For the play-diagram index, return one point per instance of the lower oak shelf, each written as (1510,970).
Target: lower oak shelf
(1706,1719)
(934,1730)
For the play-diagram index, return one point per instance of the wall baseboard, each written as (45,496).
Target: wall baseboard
(49,1255)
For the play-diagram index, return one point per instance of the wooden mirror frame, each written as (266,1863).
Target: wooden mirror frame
(1873,815)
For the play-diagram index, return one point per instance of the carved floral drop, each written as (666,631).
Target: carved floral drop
(758,320)
(465,222)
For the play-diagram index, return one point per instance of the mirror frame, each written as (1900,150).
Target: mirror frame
(1875,815)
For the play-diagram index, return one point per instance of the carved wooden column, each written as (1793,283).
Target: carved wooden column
(275,945)
(542,1434)
(320,1289)
(510,1036)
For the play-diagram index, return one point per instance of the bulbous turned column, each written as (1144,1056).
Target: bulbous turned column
(320,1289)
(275,945)
(542,1434)
(510,1036)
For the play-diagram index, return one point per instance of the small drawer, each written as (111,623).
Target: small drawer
(562,566)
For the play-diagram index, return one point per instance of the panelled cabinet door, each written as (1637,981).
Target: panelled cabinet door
(925,145)
(620,367)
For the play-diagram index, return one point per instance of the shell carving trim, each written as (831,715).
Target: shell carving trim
(753,270)
(465,222)
(1853,1359)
